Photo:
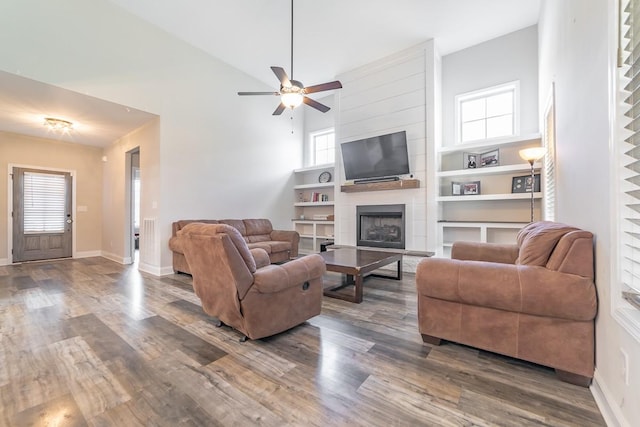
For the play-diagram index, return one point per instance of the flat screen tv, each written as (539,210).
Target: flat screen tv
(376,157)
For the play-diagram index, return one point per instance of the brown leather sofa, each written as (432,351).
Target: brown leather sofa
(281,245)
(535,300)
(243,289)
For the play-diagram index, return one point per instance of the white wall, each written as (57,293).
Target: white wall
(504,59)
(315,121)
(574,37)
(219,155)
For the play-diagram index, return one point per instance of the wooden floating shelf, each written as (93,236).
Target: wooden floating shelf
(402,184)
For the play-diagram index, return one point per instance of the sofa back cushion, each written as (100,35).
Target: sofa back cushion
(538,240)
(258,227)
(238,224)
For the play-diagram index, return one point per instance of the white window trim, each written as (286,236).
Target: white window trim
(483,93)
(622,311)
(311,146)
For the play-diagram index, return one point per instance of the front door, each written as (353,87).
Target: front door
(41,214)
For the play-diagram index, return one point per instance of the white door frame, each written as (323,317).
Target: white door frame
(10,205)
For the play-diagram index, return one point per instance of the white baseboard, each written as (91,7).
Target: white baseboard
(609,409)
(166,271)
(4,261)
(151,269)
(113,257)
(87,254)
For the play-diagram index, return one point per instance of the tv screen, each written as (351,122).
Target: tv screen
(376,157)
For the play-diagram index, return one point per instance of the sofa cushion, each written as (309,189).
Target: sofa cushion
(256,227)
(537,241)
(238,224)
(258,238)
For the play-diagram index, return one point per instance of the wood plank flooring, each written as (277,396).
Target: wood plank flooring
(92,342)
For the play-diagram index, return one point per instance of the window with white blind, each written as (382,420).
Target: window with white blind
(628,141)
(44,203)
(487,113)
(323,147)
(549,142)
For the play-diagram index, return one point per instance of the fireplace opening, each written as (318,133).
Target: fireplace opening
(380,226)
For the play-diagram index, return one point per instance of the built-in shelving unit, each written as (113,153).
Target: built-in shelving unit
(313,220)
(496,213)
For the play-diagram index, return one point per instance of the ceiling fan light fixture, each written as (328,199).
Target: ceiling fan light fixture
(291,99)
(58,125)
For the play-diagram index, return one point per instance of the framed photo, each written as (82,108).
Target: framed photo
(465,188)
(490,158)
(470,160)
(523,184)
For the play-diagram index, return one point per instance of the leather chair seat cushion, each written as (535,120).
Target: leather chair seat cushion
(271,246)
(538,240)
(258,238)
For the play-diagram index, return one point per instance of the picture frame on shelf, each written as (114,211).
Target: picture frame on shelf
(490,158)
(470,160)
(522,184)
(465,188)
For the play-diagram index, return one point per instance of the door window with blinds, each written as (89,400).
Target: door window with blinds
(44,203)
(628,149)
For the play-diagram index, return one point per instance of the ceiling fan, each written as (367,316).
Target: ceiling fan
(292,92)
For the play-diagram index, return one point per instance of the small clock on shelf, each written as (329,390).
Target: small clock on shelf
(324,177)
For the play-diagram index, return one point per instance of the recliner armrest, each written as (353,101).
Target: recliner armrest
(261,257)
(518,288)
(275,278)
(491,252)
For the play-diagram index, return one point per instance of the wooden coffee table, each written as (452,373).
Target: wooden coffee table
(356,263)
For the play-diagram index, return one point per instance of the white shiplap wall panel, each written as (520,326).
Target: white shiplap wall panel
(378,124)
(354,99)
(383,97)
(382,107)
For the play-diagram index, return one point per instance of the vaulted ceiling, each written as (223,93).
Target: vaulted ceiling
(330,37)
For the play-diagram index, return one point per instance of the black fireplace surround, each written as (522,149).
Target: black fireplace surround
(380,226)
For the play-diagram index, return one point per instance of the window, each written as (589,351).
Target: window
(488,113)
(44,203)
(323,147)
(549,140)
(627,170)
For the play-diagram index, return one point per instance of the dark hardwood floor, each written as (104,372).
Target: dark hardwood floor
(92,342)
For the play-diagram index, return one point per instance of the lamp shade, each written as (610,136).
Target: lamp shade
(532,154)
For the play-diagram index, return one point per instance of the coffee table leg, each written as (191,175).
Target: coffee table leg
(357,297)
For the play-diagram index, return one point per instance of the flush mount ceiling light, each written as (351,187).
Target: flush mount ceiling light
(58,125)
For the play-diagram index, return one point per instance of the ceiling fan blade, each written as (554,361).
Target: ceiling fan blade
(258,93)
(315,104)
(279,110)
(281,74)
(324,86)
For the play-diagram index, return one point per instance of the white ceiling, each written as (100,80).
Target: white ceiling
(24,103)
(330,36)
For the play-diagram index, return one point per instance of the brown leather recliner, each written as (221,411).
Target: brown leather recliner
(243,289)
(535,300)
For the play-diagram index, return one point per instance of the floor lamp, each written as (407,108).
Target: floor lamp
(531,155)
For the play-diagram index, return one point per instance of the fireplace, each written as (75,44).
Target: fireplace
(380,226)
